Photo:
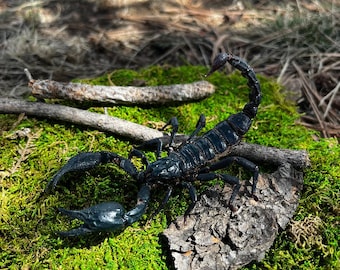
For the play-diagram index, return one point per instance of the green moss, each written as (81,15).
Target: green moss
(28,217)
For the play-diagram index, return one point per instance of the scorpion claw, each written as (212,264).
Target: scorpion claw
(107,216)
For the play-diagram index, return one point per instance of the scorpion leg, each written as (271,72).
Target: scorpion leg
(200,124)
(108,216)
(154,144)
(193,197)
(139,154)
(163,203)
(157,143)
(89,160)
(174,123)
(243,162)
(227,179)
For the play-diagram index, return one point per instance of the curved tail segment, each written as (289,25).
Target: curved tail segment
(250,109)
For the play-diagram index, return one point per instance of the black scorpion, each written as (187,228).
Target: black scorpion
(194,160)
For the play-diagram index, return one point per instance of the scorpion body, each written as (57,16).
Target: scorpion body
(195,160)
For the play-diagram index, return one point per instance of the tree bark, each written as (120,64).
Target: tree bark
(214,237)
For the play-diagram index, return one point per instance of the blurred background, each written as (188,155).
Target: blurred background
(295,42)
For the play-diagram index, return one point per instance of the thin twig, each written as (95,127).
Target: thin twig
(312,123)
(28,74)
(284,69)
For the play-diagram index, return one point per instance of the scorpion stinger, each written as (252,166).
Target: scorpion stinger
(197,159)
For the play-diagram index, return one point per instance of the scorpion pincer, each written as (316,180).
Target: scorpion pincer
(196,159)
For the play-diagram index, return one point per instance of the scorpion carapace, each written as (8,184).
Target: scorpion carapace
(195,160)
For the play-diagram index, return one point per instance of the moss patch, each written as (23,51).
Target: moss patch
(28,217)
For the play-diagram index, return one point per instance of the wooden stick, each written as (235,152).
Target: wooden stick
(271,155)
(81,117)
(128,95)
(257,153)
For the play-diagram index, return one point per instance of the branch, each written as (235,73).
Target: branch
(257,153)
(121,94)
(271,155)
(81,117)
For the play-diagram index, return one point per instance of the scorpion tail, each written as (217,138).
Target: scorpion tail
(250,109)
(236,125)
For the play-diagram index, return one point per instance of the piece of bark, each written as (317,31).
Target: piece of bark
(128,95)
(213,237)
(257,153)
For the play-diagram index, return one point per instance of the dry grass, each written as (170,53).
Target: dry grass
(296,42)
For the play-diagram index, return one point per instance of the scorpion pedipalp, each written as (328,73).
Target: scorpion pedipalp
(107,216)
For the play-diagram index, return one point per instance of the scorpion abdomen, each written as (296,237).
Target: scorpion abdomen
(215,142)
(192,155)
(210,146)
